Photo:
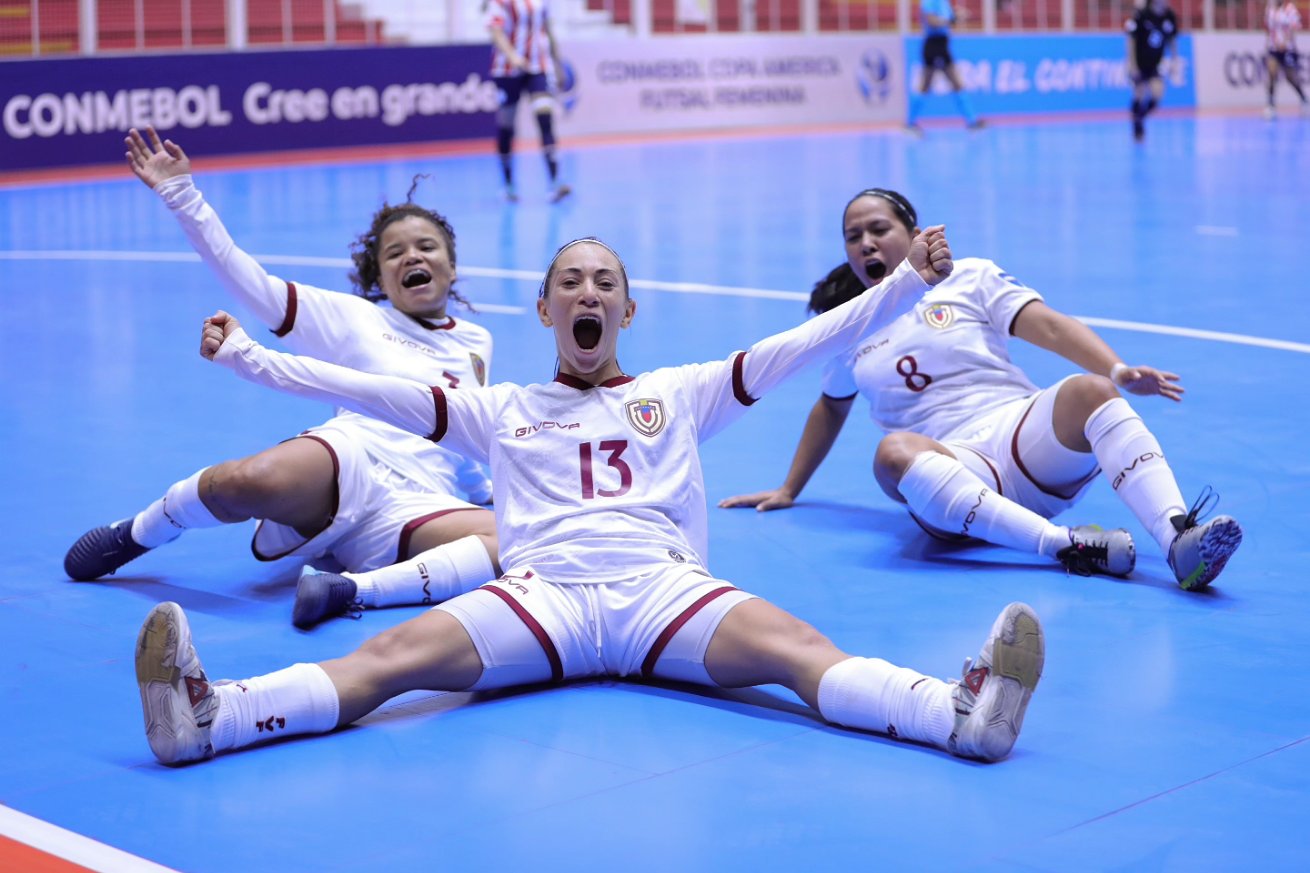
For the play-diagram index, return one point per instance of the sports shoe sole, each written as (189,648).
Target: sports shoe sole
(1017,658)
(1217,545)
(165,700)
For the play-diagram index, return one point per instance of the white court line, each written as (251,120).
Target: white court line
(646,284)
(72,847)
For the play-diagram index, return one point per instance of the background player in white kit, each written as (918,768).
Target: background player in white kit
(973,446)
(355,488)
(1282,20)
(600,504)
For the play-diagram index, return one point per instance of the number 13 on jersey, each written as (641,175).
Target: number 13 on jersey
(615,449)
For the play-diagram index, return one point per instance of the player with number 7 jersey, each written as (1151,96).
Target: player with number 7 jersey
(601,516)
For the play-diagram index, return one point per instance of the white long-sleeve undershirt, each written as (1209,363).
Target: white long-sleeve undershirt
(264,295)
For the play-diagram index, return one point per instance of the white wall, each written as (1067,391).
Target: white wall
(1230,71)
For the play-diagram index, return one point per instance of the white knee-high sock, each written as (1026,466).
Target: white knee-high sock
(943,492)
(873,695)
(1133,461)
(298,700)
(438,574)
(178,510)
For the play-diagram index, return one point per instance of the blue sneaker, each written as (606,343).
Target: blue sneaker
(1200,552)
(991,699)
(321,596)
(176,697)
(102,550)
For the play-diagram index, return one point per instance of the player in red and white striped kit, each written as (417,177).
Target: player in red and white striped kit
(361,491)
(600,505)
(525,60)
(1282,21)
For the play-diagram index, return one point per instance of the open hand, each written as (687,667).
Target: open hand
(156,160)
(218,327)
(763,501)
(1148,380)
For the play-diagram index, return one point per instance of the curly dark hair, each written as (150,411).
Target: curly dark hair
(840,285)
(364,250)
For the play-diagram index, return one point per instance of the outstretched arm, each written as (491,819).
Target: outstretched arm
(408,405)
(821,430)
(165,167)
(1069,338)
(771,360)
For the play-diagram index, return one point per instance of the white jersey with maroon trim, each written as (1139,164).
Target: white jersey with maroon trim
(590,482)
(1282,23)
(594,479)
(353,332)
(944,364)
(524,24)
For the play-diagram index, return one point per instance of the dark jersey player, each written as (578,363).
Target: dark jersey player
(1152,30)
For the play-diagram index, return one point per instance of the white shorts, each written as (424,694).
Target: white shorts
(375,516)
(657,625)
(1014,449)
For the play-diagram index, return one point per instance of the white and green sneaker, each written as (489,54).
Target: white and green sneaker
(176,697)
(1199,552)
(992,697)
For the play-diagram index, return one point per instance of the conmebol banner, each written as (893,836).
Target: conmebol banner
(732,81)
(63,112)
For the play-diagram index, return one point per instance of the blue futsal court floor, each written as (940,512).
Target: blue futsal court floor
(1171,731)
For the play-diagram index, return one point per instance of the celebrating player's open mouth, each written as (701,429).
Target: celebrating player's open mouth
(876,270)
(587,330)
(416,278)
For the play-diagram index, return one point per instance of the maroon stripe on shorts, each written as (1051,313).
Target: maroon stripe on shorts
(739,381)
(547,644)
(411,526)
(289,320)
(648,665)
(1018,461)
(336,499)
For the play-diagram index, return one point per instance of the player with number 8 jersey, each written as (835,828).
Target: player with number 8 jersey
(600,508)
(972,446)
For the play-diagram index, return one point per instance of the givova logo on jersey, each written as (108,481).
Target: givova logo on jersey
(646,415)
(939,315)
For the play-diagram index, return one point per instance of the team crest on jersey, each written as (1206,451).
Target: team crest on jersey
(939,315)
(646,415)
(479,367)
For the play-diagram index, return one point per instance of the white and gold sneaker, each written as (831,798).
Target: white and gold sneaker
(992,697)
(176,697)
